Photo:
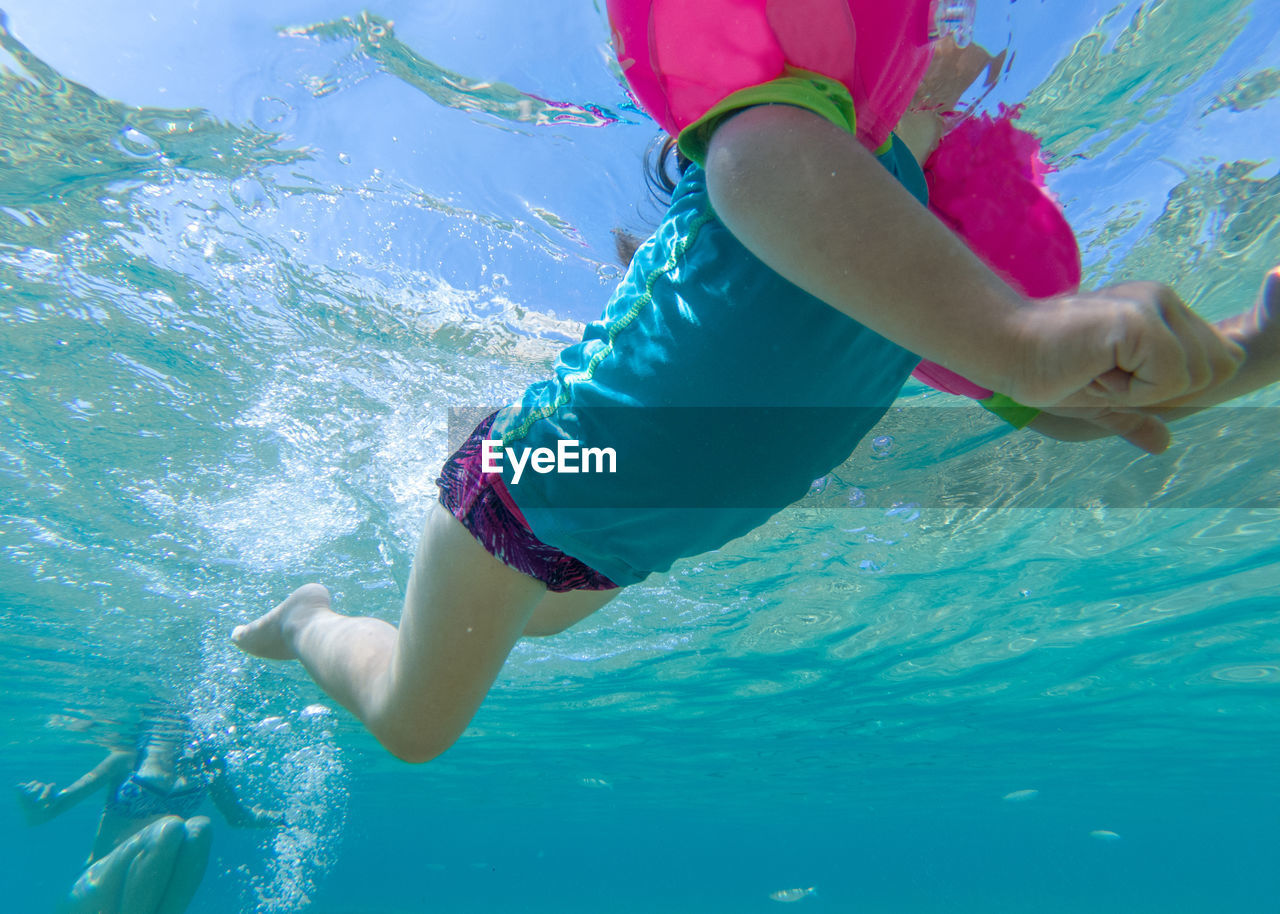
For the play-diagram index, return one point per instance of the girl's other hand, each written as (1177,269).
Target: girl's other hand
(1142,430)
(266,818)
(1258,332)
(36,799)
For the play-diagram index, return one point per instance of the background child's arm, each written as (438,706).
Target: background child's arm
(806,198)
(235,812)
(40,802)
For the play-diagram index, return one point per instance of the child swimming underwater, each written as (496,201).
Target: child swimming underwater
(152,845)
(791,288)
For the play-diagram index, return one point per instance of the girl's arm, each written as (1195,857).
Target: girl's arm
(810,202)
(40,802)
(236,813)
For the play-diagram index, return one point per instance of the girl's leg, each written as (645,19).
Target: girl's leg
(557,611)
(415,688)
(133,877)
(188,866)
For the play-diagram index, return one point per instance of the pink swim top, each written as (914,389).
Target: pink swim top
(986,179)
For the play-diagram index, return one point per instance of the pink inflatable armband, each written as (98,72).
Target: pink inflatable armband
(681,57)
(986,183)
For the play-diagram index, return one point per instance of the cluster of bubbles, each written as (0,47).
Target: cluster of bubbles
(289,763)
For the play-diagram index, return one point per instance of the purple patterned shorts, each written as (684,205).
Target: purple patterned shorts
(484,506)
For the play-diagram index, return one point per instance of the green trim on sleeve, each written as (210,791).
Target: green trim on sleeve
(817,93)
(1010,410)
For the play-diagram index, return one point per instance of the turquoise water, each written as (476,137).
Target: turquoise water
(251,255)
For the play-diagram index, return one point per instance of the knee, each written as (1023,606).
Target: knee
(197,829)
(163,833)
(169,827)
(414,730)
(416,745)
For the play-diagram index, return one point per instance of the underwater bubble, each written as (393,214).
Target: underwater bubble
(79,407)
(273,114)
(249,194)
(881,446)
(312,711)
(907,510)
(1020,796)
(1102,834)
(789,895)
(271,725)
(136,144)
(344,158)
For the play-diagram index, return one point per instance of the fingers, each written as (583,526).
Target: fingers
(35,790)
(1213,357)
(1195,338)
(1167,349)
(1111,384)
(1269,298)
(1139,429)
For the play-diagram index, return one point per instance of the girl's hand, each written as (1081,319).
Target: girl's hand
(266,818)
(37,800)
(952,70)
(1116,350)
(1257,331)
(1140,429)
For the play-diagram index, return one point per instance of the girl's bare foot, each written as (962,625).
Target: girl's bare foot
(271,636)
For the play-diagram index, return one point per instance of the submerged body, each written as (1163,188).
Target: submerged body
(152,847)
(789,196)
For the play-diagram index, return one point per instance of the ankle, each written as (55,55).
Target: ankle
(301,615)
